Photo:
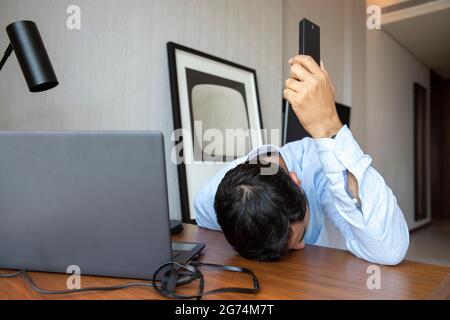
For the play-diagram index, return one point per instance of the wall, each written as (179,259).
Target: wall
(391,72)
(113,72)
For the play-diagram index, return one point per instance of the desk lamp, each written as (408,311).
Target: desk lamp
(27,43)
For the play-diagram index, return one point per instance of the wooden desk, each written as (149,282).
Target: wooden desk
(313,273)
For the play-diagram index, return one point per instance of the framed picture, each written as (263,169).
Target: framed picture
(216,115)
(292,128)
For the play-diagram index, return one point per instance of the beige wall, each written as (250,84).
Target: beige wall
(113,72)
(391,73)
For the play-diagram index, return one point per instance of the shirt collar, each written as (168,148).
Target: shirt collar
(262,150)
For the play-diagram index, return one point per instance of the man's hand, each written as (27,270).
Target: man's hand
(311,95)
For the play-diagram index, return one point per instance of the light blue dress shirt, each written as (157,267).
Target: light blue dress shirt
(373,229)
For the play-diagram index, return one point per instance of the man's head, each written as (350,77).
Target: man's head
(261,216)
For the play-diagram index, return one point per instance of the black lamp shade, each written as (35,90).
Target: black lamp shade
(32,56)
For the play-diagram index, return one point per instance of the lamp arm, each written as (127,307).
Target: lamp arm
(8,52)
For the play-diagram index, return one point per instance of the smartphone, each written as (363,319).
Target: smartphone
(309,44)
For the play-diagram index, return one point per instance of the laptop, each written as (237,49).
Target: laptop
(94,200)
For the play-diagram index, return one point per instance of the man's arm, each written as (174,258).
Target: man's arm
(355,196)
(359,202)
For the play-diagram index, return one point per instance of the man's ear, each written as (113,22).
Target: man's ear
(299,246)
(294,178)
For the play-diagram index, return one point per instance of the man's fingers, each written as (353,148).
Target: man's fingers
(322,66)
(307,62)
(289,94)
(300,73)
(293,85)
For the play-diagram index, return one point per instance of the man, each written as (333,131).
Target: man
(326,177)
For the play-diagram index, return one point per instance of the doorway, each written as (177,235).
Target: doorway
(440,147)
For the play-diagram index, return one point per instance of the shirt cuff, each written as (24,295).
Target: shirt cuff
(342,153)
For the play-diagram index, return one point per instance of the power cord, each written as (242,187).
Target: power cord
(69,291)
(168,290)
(165,283)
(13,275)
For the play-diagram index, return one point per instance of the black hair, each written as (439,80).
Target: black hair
(255,210)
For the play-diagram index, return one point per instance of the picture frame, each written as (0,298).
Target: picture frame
(292,128)
(210,95)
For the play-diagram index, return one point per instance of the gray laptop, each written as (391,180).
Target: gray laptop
(96,200)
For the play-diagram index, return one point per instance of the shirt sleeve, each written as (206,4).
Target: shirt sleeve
(375,228)
(205,215)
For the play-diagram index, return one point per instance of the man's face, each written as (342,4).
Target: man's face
(298,229)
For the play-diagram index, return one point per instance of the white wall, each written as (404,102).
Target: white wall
(113,73)
(391,73)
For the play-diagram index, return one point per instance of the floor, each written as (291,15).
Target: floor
(431,244)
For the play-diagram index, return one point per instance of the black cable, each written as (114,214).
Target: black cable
(8,52)
(69,291)
(178,275)
(167,291)
(193,268)
(12,275)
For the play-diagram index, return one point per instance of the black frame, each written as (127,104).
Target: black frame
(421,174)
(344,113)
(174,90)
